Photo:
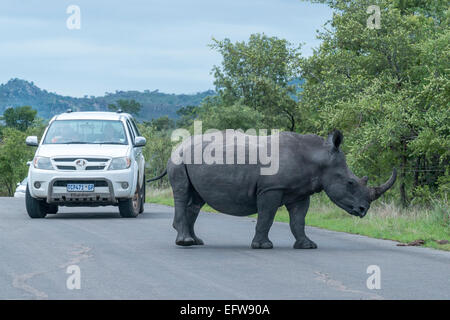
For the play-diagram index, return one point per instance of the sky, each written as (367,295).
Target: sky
(137,44)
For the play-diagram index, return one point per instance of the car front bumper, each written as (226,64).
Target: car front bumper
(108,186)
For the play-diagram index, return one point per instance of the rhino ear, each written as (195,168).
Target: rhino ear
(335,139)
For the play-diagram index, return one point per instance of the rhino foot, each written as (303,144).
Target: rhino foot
(262,245)
(305,243)
(198,241)
(186,241)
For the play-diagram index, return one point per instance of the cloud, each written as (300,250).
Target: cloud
(139,44)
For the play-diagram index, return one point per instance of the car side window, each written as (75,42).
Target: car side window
(135,127)
(130,129)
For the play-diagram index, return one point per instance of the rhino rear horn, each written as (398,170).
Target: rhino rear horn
(376,192)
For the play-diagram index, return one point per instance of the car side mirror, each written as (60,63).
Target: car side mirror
(32,141)
(140,141)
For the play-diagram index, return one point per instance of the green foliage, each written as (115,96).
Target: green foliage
(444,184)
(14,154)
(258,74)
(161,124)
(187,116)
(157,151)
(19,118)
(235,116)
(127,106)
(387,89)
(19,122)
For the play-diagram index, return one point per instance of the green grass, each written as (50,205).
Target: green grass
(383,221)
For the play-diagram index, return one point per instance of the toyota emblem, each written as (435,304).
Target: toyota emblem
(80,164)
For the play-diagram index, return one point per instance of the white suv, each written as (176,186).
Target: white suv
(87,159)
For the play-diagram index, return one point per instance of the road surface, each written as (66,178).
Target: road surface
(138,259)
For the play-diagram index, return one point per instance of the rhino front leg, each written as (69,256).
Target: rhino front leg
(297,214)
(268,204)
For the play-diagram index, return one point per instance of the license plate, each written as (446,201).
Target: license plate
(80,187)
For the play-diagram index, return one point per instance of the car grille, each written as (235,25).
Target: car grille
(92,163)
(74,168)
(97,183)
(66,167)
(74,159)
(95,167)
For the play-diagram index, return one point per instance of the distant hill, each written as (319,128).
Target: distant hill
(17,92)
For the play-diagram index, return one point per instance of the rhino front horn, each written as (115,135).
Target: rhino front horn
(376,192)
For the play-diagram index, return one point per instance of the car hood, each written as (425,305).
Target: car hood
(82,150)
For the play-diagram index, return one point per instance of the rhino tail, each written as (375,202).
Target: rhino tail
(158,177)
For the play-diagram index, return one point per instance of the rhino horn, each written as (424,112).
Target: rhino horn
(376,192)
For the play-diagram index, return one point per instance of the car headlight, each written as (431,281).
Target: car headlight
(43,163)
(120,163)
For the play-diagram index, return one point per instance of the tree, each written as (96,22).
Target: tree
(162,123)
(236,116)
(187,115)
(19,118)
(259,74)
(14,154)
(129,106)
(387,88)
(156,152)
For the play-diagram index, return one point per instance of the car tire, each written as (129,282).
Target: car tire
(52,208)
(143,190)
(36,209)
(130,208)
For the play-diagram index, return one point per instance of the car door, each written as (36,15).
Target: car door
(137,151)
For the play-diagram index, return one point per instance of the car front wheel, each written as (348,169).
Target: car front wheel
(36,208)
(130,208)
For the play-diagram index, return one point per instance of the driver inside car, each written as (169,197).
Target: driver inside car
(111,134)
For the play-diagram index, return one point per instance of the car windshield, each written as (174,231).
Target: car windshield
(86,132)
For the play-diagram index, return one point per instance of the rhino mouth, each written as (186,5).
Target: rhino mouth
(354,211)
(357,213)
(348,208)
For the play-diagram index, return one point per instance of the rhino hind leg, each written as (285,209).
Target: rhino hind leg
(297,214)
(268,204)
(180,223)
(182,193)
(192,211)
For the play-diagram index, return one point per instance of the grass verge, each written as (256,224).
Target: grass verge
(383,221)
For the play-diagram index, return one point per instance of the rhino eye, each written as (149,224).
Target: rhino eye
(350,182)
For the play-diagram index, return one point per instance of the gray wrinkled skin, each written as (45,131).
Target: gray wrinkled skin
(307,164)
